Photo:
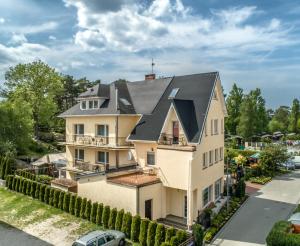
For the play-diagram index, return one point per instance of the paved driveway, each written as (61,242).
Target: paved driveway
(252,223)
(12,236)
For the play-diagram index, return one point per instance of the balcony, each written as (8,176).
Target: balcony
(168,141)
(97,141)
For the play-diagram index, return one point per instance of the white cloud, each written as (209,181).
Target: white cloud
(18,39)
(51,37)
(167,24)
(2,20)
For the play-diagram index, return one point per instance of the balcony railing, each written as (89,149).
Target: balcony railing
(97,140)
(88,167)
(169,139)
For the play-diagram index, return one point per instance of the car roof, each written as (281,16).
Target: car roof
(90,236)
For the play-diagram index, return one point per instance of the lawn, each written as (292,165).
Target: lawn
(41,220)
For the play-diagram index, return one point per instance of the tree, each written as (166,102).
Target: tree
(94,212)
(159,235)
(233,103)
(135,228)
(253,119)
(112,218)
(88,207)
(99,214)
(35,84)
(198,234)
(126,225)
(119,220)
(143,232)
(294,117)
(281,115)
(151,233)
(275,126)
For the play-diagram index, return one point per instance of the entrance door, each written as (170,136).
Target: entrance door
(148,209)
(175,132)
(185,207)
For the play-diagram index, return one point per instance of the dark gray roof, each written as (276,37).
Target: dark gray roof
(191,104)
(149,91)
(99,90)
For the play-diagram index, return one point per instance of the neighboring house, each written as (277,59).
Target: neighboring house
(153,147)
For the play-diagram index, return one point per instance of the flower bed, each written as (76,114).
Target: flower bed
(222,217)
(260,180)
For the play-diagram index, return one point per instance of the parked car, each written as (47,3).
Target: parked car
(289,165)
(99,238)
(296,161)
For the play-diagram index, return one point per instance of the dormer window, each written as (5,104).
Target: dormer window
(89,104)
(173,93)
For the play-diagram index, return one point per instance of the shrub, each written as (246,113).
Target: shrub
(105,216)
(280,235)
(66,202)
(45,179)
(94,212)
(88,208)
(151,233)
(119,220)
(182,236)
(165,244)
(24,186)
(126,224)
(260,180)
(13,183)
(112,218)
(82,209)
(209,234)
(42,192)
(240,189)
(77,208)
(20,185)
(33,189)
(61,200)
(47,194)
(159,235)
(9,181)
(72,204)
(169,234)
(143,232)
(37,190)
(99,214)
(17,184)
(174,241)
(135,228)
(51,196)
(56,198)
(28,189)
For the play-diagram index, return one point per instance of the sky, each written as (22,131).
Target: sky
(252,43)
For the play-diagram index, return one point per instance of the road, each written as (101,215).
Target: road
(12,236)
(253,221)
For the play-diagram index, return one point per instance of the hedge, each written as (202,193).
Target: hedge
(159,235)
(105,216)
(112,219)
(135,228)
(240,190)
(151,233)
(56,198)
(51,196)
(99,214)
(175,241)
(82,209)
(24,186)
(61,200)
(42,192)
(88,208)
(28,188)
(6,168)
(143,232)
(47,194)
(119,220)
(21,185)
(77,206)
(198,234)
(169,234)
(126,225)
(280,235)
(66,202)
(72,204)
(33,189)
(94,212)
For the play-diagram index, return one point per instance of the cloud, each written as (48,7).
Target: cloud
(166,24)
(2,20)
(18,39)
(51,37)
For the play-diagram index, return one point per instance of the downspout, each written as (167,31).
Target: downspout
(137,200)
(190,196)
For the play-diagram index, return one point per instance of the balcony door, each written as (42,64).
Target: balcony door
(175,132)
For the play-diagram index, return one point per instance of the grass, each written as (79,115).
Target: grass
(20,210)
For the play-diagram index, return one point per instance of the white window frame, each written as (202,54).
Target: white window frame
(151,153)
(216,155)
(216,127)
(204,160)
(222,126)
(76,129)
(106,130)
(218,183)
(81,105)
(211,157)
(221,153)
(77,155)
(209,190)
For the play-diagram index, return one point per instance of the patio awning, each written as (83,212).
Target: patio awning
(295,219)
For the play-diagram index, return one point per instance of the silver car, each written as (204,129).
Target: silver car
(99,238)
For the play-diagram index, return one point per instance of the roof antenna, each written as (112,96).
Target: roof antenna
(152,66)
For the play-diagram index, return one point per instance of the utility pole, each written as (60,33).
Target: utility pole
(152,66)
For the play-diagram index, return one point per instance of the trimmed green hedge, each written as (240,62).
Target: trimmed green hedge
(105,216)
(126,225)
(135,228)
(88,208)
(143,232)
(198,234)
(99,214)
(169,234)
(66,202)
(280,235)
(112,218)
(151,233)
(77,206)
(159,235)
(72,204)
(94,212)
(82,209)
(119,220)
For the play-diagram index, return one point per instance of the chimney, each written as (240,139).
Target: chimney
(150,76)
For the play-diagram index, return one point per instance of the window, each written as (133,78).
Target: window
(221,154)
(218,186)
(150,158)
(205,159)
(216,130)
(103,157)
(79,129)
(102,130)
(83,105)
(101,241)
(211,157)
(79,154)
(173,93)
(96,104)
(206,196)
(216,155)
(109,238)
(93,243)
(130,156)
(91,104)
(222,126)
